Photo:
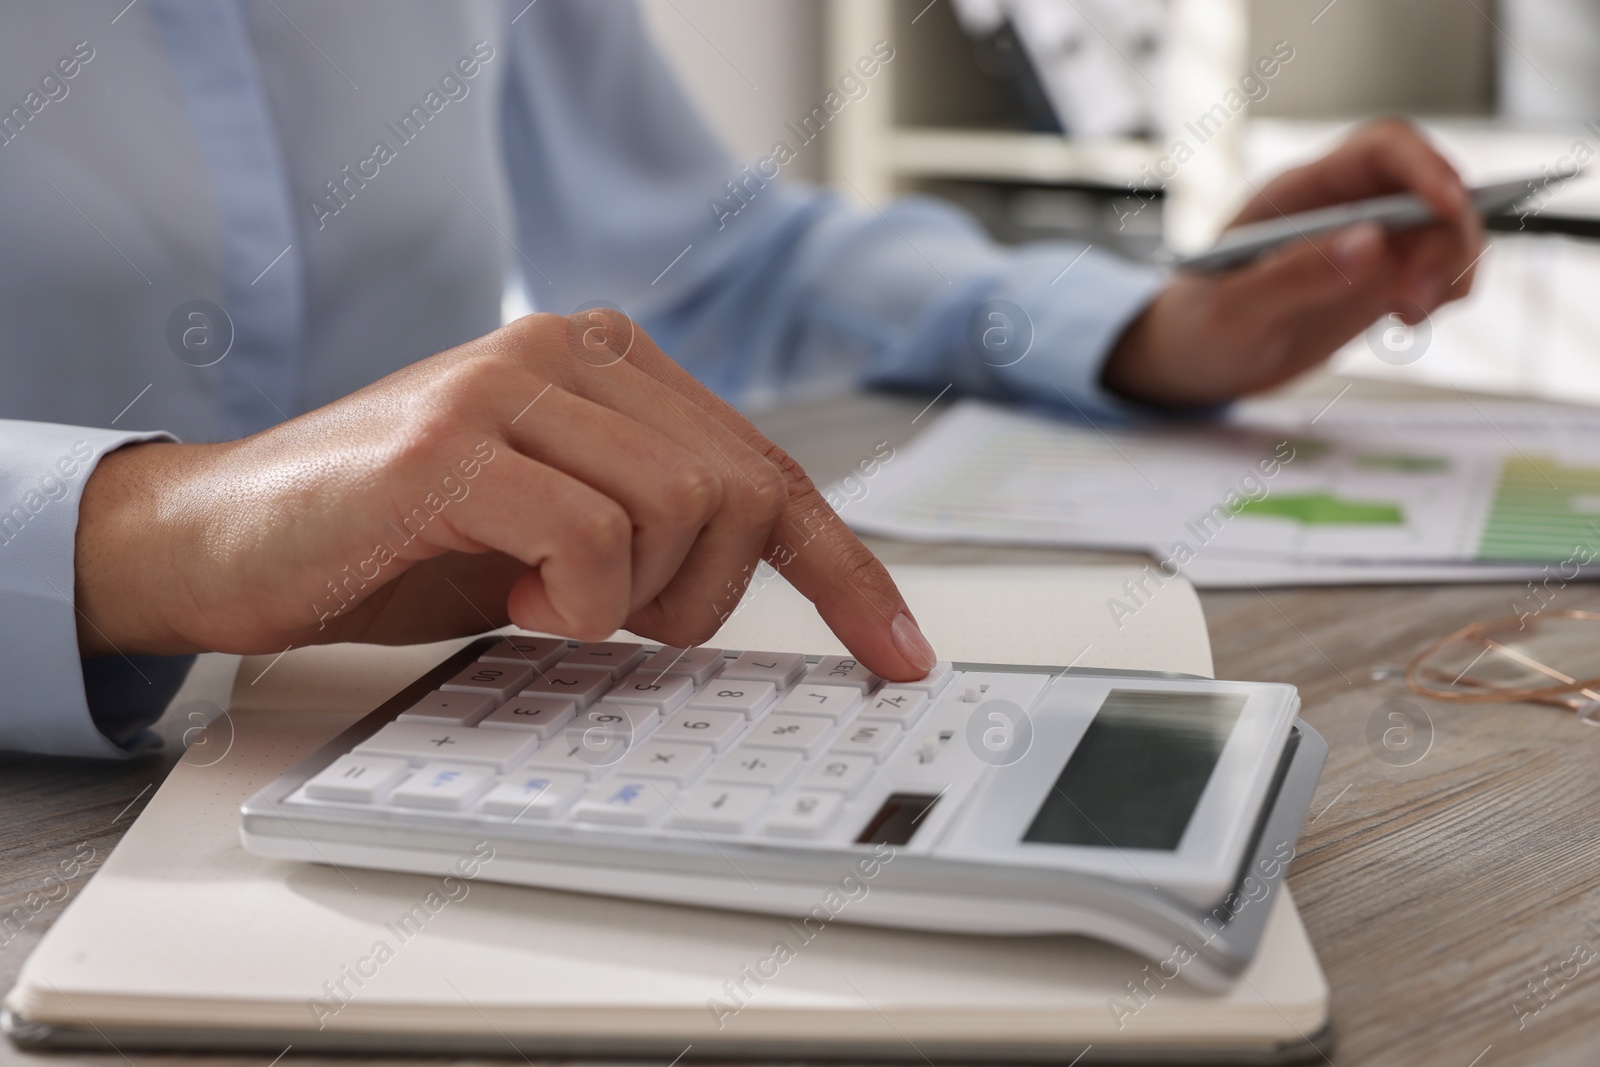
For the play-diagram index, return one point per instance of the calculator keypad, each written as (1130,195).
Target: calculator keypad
(693,740)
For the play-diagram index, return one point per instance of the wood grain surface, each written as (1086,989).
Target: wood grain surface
(1438,894)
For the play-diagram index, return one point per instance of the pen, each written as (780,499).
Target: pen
(1400,211)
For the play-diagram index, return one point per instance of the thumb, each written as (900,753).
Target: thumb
(852,590)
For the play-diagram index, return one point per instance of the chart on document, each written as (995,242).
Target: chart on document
(1440,482)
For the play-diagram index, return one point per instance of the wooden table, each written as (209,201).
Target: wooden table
(1435,893)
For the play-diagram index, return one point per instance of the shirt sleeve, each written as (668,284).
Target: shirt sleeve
(54,702)
(764,287)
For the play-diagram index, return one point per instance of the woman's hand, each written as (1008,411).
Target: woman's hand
(1212,337)
(560,474)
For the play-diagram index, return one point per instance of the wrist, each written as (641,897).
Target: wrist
(130,548)
(1158,361)
(1132,371)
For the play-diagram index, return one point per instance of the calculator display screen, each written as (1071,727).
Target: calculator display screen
(1137,774)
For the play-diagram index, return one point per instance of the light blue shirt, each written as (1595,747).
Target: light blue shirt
(353,184)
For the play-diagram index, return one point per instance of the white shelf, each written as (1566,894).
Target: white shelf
(1005,155)
(898,133)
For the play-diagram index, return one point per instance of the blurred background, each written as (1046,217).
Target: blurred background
(1064,118)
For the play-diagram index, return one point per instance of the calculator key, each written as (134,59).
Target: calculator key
(696,664)
(782,669)
(630,801)
(801,733)
(618,657)
(539,653)
(935,681)
(499,680)
(718,809)
(449,709)
(807,698)
(442,786)
(803,814)
(422,742)
(632,721)
(749,699)
(868,737)
(581,685)
(842,670)
(756,766)
(719,729)
(533,795)
(663,759)
(840,774)
(591,755)
(356,779)
(543,715)
(898,705)
(665,692)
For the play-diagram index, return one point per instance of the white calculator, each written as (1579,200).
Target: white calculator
(1152,811)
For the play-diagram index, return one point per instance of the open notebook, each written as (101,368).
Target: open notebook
(184,940)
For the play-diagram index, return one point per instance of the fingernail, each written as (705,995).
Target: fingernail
(1356,244)
(911,644)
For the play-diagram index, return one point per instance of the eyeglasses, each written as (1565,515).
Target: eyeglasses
(1550,658)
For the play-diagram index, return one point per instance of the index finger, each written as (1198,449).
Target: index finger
(811,546)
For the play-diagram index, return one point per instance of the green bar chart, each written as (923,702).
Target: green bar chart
(1542,511)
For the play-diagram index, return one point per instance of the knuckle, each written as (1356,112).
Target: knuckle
(693,493)
(774,482)
(597,528)
(533,331)
(534,341)
(599,336)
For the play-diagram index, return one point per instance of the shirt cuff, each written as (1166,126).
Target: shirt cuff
(46,685)
(1074,325)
